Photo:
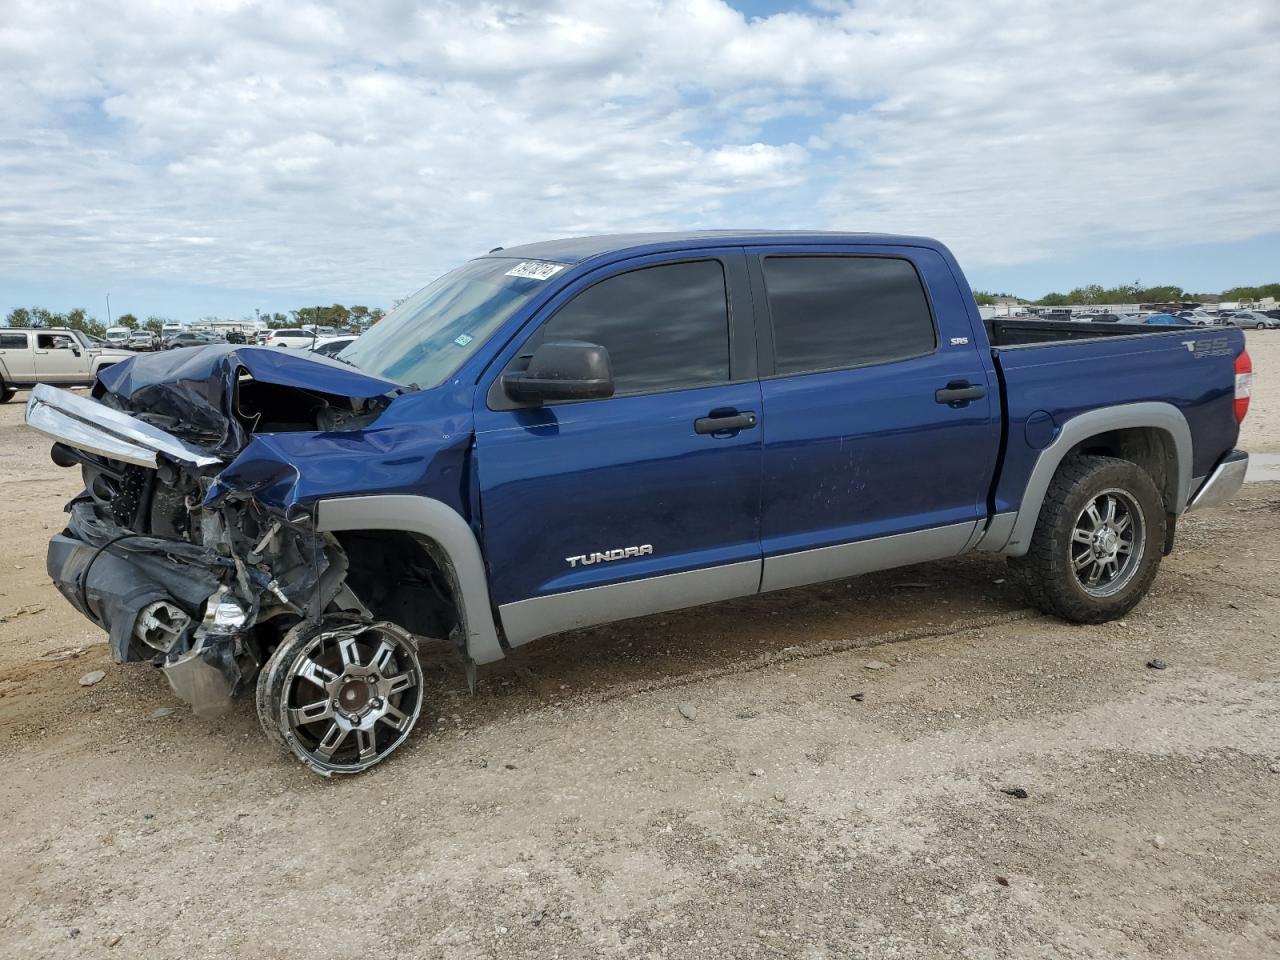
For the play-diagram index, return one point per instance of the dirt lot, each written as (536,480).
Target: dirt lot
(569,809)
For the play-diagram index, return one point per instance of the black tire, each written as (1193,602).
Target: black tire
(1057,551)
(1261,326)
(7,393)
(315,720)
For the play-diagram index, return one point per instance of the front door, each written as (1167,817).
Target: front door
(599,510)
(60,359)
(883,421)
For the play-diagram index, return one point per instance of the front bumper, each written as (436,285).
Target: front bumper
(1224,483)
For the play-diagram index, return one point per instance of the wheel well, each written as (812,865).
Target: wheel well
(1151,448)
(404,578)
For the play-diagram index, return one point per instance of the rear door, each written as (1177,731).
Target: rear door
(17,362)
(598,510)
(882,418)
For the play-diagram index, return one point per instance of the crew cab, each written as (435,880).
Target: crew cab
(51,355)
(580,431)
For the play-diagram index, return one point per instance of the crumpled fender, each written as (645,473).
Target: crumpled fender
(283,471)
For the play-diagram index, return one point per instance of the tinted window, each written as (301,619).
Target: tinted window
(13,341)
(833,312)
(664,327)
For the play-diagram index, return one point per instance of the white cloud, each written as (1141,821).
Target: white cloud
(365,147)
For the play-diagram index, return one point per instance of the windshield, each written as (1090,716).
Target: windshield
(432,333)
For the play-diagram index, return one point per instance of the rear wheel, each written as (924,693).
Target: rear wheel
(343,696)
(6,394)
(1098,540)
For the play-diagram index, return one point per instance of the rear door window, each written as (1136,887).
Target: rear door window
(833,312)
(13,341)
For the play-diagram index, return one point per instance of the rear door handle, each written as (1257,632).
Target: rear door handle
(724,422)
(958,393)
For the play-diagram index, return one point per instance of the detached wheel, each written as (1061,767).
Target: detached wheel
(341,697)
(1098,541)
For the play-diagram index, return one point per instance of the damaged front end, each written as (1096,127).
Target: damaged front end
(199,568)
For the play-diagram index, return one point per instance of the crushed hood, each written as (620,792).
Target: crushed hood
(192,392)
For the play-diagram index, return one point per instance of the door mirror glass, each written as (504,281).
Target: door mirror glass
(562,370)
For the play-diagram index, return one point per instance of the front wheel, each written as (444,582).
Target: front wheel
(1261,326)
(341,697)
(1098,541)
(7,394)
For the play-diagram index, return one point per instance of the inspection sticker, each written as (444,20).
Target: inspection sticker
(463,339)
(535,270)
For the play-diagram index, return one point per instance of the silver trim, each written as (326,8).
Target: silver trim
(526,620)
(442,524)
(1161,416)
(997,533)
(864,556)
(1224,483)
(94,427)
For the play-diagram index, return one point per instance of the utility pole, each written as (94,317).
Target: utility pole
(109,310)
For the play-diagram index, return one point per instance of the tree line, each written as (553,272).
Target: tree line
(334,315)
(1095,293)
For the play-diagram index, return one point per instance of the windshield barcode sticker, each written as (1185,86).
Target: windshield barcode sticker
(535,270)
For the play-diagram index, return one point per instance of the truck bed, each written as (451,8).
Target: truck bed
(1046,381)
(1008,332)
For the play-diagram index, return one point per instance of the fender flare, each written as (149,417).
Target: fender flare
(1154,415)
(440,523)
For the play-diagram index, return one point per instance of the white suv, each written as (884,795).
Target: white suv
(295,339)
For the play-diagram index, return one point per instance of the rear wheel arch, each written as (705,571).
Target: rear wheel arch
(1153,435)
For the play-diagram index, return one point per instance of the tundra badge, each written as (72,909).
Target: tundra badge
(618,553)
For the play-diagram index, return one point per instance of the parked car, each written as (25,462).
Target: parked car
(1197,318)
(118,336)
(55,355)
(576,432)
(187,338)
(292,339)
(1253,318)
(333,346)
(1166,320)
(143,340)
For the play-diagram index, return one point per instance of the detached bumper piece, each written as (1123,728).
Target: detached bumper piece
(1224,483)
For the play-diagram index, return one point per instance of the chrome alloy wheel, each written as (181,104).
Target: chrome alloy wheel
(349,696)
(1106,543)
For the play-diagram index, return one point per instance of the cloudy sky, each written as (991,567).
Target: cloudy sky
(195,158)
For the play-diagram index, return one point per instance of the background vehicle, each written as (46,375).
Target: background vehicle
(58,355)
(118,336)
(292,339)
(143,340)
(187,338)
(1166,320)
(580,431)
(1253,318)
(333,346)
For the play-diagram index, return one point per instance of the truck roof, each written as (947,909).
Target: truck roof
(578,249)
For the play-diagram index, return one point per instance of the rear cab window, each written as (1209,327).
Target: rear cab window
(833,312)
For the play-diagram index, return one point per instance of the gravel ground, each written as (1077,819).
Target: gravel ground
(844,780)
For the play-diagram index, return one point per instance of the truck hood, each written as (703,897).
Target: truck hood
(214,396)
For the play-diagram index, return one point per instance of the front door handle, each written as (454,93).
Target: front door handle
(958,393)
(724,422)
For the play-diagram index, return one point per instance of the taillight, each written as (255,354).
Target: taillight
(1244,384)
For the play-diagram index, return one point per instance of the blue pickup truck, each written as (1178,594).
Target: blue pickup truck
(579,431)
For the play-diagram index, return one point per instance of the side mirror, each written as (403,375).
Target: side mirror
(562,370)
